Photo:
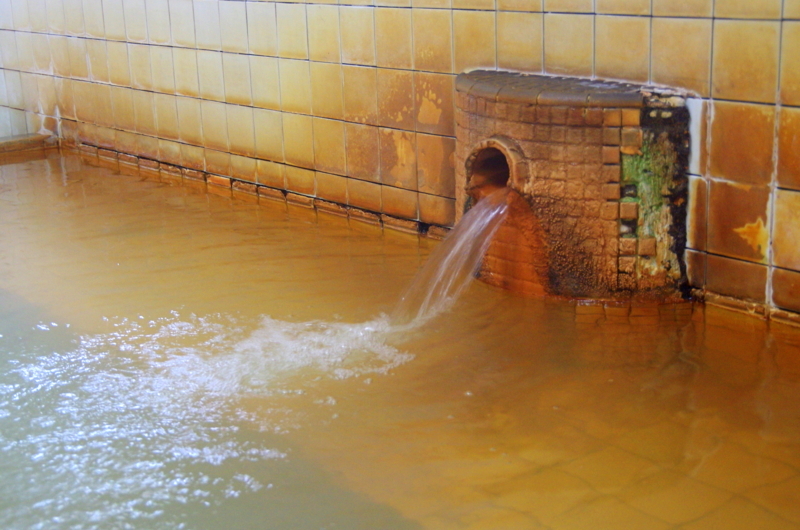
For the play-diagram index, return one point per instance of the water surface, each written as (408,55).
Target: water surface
(176,359)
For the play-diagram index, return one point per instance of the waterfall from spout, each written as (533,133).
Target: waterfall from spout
(453,264)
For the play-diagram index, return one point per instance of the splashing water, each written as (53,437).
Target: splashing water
(452,266)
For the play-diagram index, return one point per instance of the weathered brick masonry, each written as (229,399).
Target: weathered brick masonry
(600,171)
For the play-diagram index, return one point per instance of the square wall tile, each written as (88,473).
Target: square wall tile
(265,83)
(331,187)
(437,210)
(790,64)
(295,81)
(623,7)
(166,116)
(186,76)
(363,151)
(122,104)
(298,140)
(92,18)
(55,15)
(73,18)
(622,48)
(19,11)
(357,28)
(474,42)
(14,89)
(520,5)
(158,28)
(10,57)
(736,278)
(135,20)
(300,180)
(292,31)
(432,40)
(25,51)
(684,8)
(520,41)
(569,44)
(791,9)
(190,121)
(329,150)
(393,38)
(396,98)
(241,133)
(742,137)
(113,19)
(360,94)
(233,26)
(738,221)
(786,289)
(268,126)
(42,59)
(193,157)
(697,214)
(262,28)
(141,73)
(118,71)
(60,55)
(434,96)
(210,76)
(363,194)
(789,148)
(786,232)
(765,9)
(745,63)
(696,268)
(163,69)
(66,104)
(398,202)
(215,125)
(270,174)
(436,165)
(681,53)
(236,68)
(569,6)
(146,146)
(327,99)
(37,15)
(181,20)
(217,162)
(144,115)
(398,159)
(207,30)
(98,60)
(243,168)
(323,33)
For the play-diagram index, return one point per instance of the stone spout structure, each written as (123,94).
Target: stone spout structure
(600,174)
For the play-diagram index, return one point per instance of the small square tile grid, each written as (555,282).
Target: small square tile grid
(115,70)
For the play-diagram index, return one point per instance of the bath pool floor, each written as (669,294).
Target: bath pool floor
(172,358)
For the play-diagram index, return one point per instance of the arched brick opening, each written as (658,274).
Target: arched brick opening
(495,163)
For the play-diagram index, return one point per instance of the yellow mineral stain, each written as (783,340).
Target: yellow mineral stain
(755,234)
(429,111)
(405,156)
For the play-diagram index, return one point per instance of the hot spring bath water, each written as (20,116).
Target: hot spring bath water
(171,359)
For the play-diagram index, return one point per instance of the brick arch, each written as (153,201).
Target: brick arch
(518,170)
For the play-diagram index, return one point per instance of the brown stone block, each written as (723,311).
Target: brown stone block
(631,117)
(627,265)
(541,133)
(593,136)
(609,211)
(630,150)
(628,210)
(558,134)
(611,135)
(574,135)
(543,115)
(558,115)
(611,192)
(611,173)
(632,137)
(593,154)
(611,155)
(647,246)
(626,282)
(575,154)
(593,117)
(612,118)
(736,278)
(527,114)
(627,246)
(575,116)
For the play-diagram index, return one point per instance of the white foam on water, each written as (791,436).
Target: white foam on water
(126,424)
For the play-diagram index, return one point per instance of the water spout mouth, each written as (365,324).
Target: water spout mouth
(490,172)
